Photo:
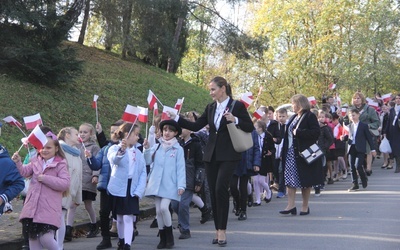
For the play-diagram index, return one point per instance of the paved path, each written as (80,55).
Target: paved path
(367,219)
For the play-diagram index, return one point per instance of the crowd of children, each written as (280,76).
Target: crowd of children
(73,166)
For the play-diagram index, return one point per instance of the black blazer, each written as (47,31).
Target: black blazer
(273,128)
(306,135)
(219,141)
(363,136)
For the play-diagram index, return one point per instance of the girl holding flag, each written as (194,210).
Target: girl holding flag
(42,208)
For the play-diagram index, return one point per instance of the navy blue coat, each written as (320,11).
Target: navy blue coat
(250,158)
(393,132)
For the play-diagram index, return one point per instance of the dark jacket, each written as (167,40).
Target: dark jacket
(250,158)
(393,132)
(267,161)
(325,138)
(307,134)
(194,164)
(219,141)
(273,128)
(363,136)
(11,182)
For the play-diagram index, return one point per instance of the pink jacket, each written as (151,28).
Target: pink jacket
(43,201)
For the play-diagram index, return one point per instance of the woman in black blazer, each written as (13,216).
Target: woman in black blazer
(303,131)
(219,157)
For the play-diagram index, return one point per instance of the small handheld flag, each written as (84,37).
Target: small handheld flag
(247,99)
(32,121)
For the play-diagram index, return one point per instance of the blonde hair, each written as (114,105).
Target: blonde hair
(64,131)
(302,102)
(361,96)
(92,137)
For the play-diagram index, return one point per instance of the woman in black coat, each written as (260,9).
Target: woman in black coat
(220,158)
(303,131)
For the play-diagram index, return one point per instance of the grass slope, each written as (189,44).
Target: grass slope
(117,82)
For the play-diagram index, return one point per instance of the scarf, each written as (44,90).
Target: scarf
(69,149)
(167,144)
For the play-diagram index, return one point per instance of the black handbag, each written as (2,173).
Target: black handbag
(312,153)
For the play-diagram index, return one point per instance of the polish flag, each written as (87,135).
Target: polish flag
(258,114)
(94,103)
(344,111)
(155,111)
(338,101)
(37,138)
(165,116)
(387,97)
(32,121)
(151,99)
(12,121)
(131,114)
(143,115)
(247,99)
(312,100)
(179,103)
(332,86)
(373,104)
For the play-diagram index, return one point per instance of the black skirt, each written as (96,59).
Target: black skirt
(36,230)
(125,205)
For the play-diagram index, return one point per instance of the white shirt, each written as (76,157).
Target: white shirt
(261,141)
(219,112)
(46,163)
(355,127)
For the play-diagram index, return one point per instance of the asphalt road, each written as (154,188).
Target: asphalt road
(367,219)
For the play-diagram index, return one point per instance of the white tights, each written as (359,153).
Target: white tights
(163,214)
(46,241)
(125,227)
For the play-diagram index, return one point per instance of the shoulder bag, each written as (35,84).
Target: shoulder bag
(241,140)
(312,153)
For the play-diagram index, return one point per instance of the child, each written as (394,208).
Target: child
(251,161)
(325,140)
(89,181)
(339,147)
(359,135)
(100,162)
(42,209)
(194,163)
(282,116)
(167,178)
(11,182)
(266,144)
(127,181)
(68,138)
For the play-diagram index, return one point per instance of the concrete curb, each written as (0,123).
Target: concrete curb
(84,225)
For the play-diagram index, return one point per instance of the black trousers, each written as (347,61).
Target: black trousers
(219,175)
(240,195)
(105,209)
(356,163)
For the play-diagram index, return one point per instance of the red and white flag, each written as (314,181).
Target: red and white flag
(37,138)
(155,111)
(312,100)
(12,121)
(373,104)
(143,115)
(94,103)
(131,114)
(179,104)
(386,97)
(32,121)
(338,102)
(332,86)
(258,114)
(247,99)
(166,109)
(151,99)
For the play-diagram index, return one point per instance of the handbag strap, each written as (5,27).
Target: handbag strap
(232,105)
(301,118)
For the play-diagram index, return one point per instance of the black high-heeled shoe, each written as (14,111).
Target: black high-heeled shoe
(305,213)
(292,211)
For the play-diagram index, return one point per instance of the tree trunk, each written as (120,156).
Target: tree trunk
(84,22)
(178,29)
(126,26)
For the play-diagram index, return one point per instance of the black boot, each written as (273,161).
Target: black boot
(163,239)
(205,214)
(121,244)
(169,237)
(127,247)
(94,230)
(68,233)
(104,244)
(154,224)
